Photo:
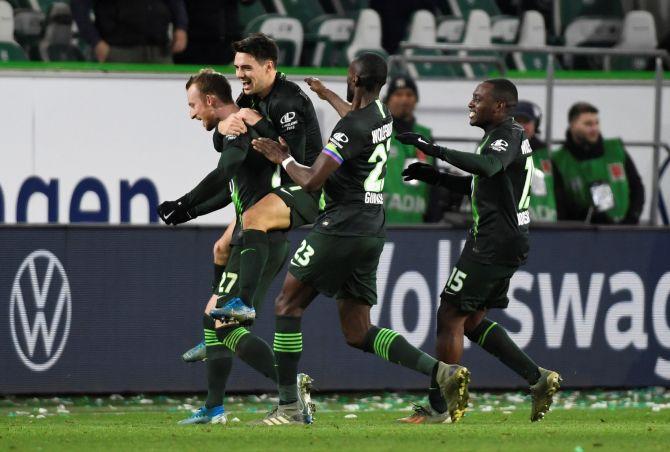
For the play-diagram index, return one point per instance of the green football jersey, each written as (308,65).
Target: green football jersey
(360,142)
(499,234)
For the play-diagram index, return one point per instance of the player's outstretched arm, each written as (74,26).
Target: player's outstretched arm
(340,105)
(481,165)
(430,175)
(310,178)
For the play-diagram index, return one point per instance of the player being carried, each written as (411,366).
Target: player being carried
(340,255)
(497,243)
(250,178)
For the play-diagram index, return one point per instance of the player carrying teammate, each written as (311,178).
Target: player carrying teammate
(250,177)
(340,255)
(497,243)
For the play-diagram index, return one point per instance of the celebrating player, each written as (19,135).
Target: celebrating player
(251,178)
(340,255)
(497,243)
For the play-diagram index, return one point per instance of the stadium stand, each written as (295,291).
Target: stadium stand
(450,29)
(638,32)
(10,50)
(367,35)
(477,33)
(503,28)
(422,31)
(532,33)
(326,35)
(57,42)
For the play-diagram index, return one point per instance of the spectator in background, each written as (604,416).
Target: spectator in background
(213,26)
(595,179)
(405,202)
(542,199)
(132,31)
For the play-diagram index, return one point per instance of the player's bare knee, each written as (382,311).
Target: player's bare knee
(254,219)
(221,250)
(354,337)
(285,306)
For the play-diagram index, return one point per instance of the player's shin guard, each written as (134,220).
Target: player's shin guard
(288,348)
(219,364)
(253,256)
(494,339)
(393,347)
(249,348)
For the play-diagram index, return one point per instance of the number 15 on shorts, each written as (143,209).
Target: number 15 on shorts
(456,280)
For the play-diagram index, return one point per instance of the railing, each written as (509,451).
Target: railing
(551,52)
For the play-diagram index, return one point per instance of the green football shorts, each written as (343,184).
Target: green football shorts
(228,286)
(473,286)
(339,266)
(304,205)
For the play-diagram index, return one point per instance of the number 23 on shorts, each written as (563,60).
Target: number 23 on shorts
(302,255)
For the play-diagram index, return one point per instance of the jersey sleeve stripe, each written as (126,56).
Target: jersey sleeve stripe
(334,155)
(331,151)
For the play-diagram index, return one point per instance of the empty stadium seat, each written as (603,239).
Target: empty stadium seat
(57,42)
(503,28)
(9,49)
(569,11)
(532,33)
(249,11)
(477,33)
(367,35)
(638,32)
(326,35)
(287,33)
(450,29)
(590,32)
(422,31)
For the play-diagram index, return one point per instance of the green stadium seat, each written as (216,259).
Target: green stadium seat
(9,49)
(349,8)
(367,36)
(287,33)
(422,31)
(249,11)
(503,28)
(638,32)
(326,35)
(57,42)
(573,10)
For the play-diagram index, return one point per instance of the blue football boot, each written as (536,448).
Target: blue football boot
(215,415)
(234,309)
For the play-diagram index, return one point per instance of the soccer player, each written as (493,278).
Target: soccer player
(250,177)
(278,107)
(497,243)
(340,255)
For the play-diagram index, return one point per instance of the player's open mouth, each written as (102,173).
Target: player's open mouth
(471,114)
(246,84)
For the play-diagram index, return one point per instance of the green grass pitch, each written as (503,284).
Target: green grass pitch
(581,421)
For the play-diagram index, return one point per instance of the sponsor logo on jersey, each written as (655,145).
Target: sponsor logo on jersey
(382,133)
(374,198)
(288,117)
(500,145)
(338,139)
(523,218)
(288,121)
(231,137)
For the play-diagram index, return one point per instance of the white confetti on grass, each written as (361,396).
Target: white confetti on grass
(350,416)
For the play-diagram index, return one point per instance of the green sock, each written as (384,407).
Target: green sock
(251,349)
(288,348)
(494,339)
(393,347)
(219,364)
(253,256)
(218,271)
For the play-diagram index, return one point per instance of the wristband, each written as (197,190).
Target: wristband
(287,160)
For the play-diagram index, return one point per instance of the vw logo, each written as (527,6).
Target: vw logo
(40,310)
(288,117)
